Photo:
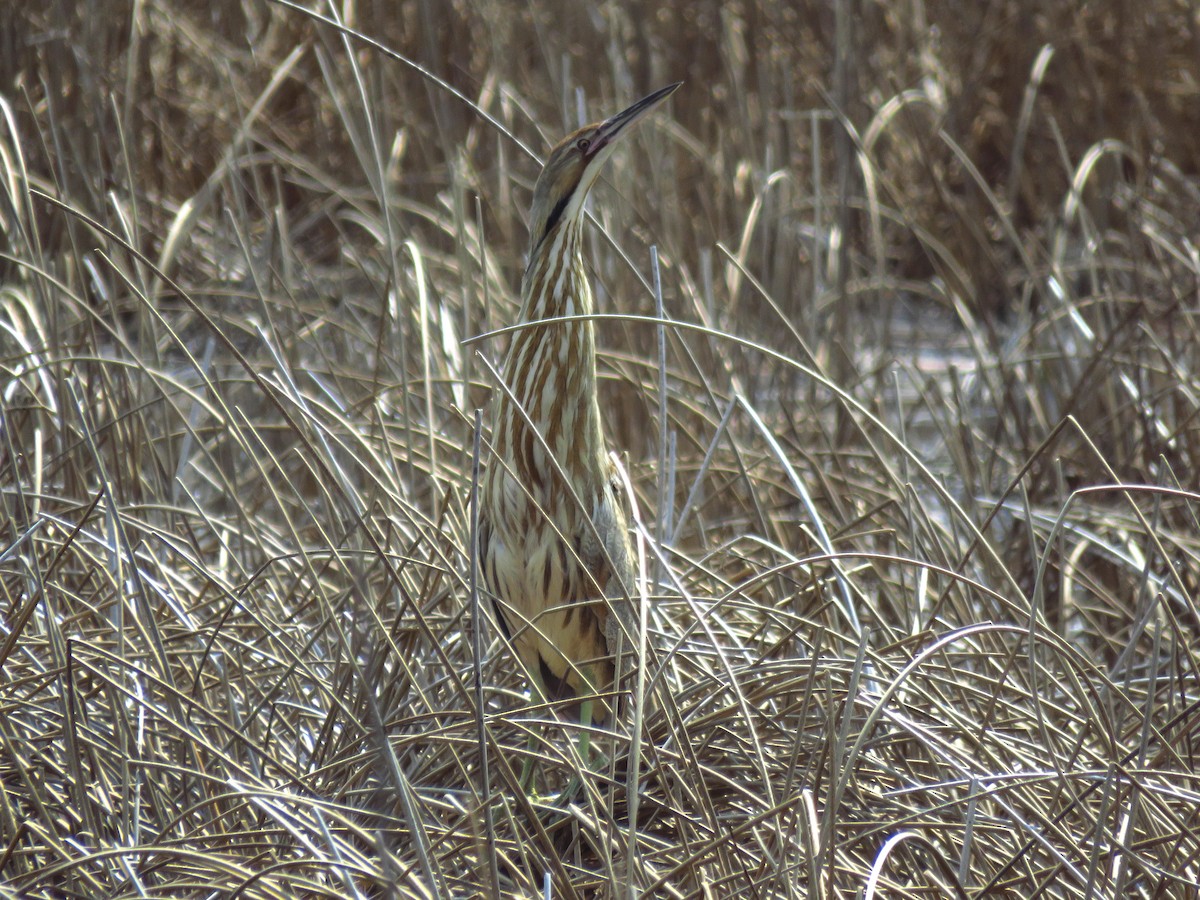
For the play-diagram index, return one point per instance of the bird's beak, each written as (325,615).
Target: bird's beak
(612,128)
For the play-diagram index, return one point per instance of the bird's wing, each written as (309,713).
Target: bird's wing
(614,564)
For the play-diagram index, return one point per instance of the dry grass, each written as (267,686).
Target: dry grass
(924,534)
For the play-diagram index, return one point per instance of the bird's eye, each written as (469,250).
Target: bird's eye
(582,145)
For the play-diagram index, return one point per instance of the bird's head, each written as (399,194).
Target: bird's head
(574,165)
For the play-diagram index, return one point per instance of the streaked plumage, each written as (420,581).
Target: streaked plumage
(548,556)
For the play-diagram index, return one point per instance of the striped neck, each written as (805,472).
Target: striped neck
(552,369)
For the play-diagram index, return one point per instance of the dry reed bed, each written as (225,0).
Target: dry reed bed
(913,626)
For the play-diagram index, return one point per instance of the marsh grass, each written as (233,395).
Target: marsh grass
(922,537)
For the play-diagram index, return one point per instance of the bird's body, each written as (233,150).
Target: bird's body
(554,538)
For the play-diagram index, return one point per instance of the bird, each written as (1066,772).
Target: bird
(554,545)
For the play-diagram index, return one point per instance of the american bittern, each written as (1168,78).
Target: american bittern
(553,530)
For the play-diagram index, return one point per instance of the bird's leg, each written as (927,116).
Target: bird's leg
(585,722)
(538,691)
(582,744)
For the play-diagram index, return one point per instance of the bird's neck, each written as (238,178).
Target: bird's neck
(552,368)
(555,283)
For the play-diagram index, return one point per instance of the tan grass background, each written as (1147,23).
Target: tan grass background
(921,520)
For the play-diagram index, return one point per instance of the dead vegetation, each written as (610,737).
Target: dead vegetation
(923,534)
